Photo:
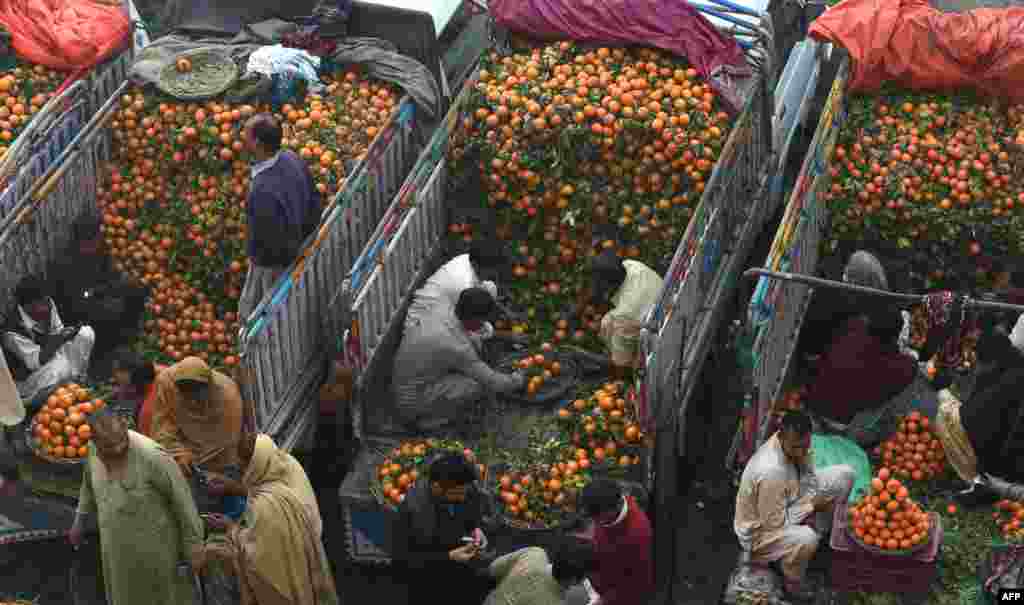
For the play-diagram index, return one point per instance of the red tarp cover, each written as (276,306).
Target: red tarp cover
(910,42)
(68,35)
(676,27)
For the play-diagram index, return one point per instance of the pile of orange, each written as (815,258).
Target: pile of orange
(1008,517)
(603,429)
(888,518)
(539,369)
(23,92)
(914,451)
(402,468)
(543,497)
(586,149)
(933,172)
(174,198)
(60,429)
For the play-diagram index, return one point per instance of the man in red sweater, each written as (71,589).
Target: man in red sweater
(624,573)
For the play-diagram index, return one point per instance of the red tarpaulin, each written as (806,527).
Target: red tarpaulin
(67,35)
(909,42)
(676,27)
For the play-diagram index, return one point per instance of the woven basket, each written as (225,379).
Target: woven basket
(125,414)
(211,75)
(896,553)
(375,483)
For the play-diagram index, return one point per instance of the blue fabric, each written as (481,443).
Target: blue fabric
(234,506)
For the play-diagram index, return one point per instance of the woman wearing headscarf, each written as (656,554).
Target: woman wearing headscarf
(197,416)
(984,439)
(276,551)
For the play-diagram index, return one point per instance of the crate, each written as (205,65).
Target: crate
(854,568)
(367,524)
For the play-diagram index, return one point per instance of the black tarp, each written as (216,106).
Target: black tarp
(228,17)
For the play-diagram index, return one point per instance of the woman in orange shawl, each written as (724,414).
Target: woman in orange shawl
(276,551)
(197,416)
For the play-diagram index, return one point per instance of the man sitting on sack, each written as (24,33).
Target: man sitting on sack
(438,371)
(784,506)
(41,351)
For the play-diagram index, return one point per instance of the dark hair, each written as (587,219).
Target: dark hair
(572,559)
(488,254)
(10,472)
(796,421)
(142,371)
(608,271)
(474,303)
(601,496)
(267,131)
(452,469)
(97,418)
(885,323)
(31,289)
(86,228)
(995,347)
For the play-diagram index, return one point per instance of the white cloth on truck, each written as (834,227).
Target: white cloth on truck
(440,293)
(12,408)
(1017,335)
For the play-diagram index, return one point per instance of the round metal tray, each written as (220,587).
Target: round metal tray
(552,390)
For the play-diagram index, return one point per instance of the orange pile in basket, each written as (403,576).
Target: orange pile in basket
(60,428)
(888,518)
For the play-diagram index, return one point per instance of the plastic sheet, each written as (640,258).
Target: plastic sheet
(677,27)
(68,35)
(910,42)
(829,450)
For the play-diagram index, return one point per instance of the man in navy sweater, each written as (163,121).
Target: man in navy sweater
(283,209)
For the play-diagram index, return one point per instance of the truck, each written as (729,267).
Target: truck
(65,167)
(410,243)
(774,318)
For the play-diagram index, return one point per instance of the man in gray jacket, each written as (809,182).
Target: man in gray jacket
(438,370)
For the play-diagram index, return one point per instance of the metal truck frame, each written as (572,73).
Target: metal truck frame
(744,191)
(777,308)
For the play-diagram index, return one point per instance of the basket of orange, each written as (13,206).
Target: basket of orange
(401,468)
(59,432)
(550,374)
(604,430)
(888,521)
(540,498)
